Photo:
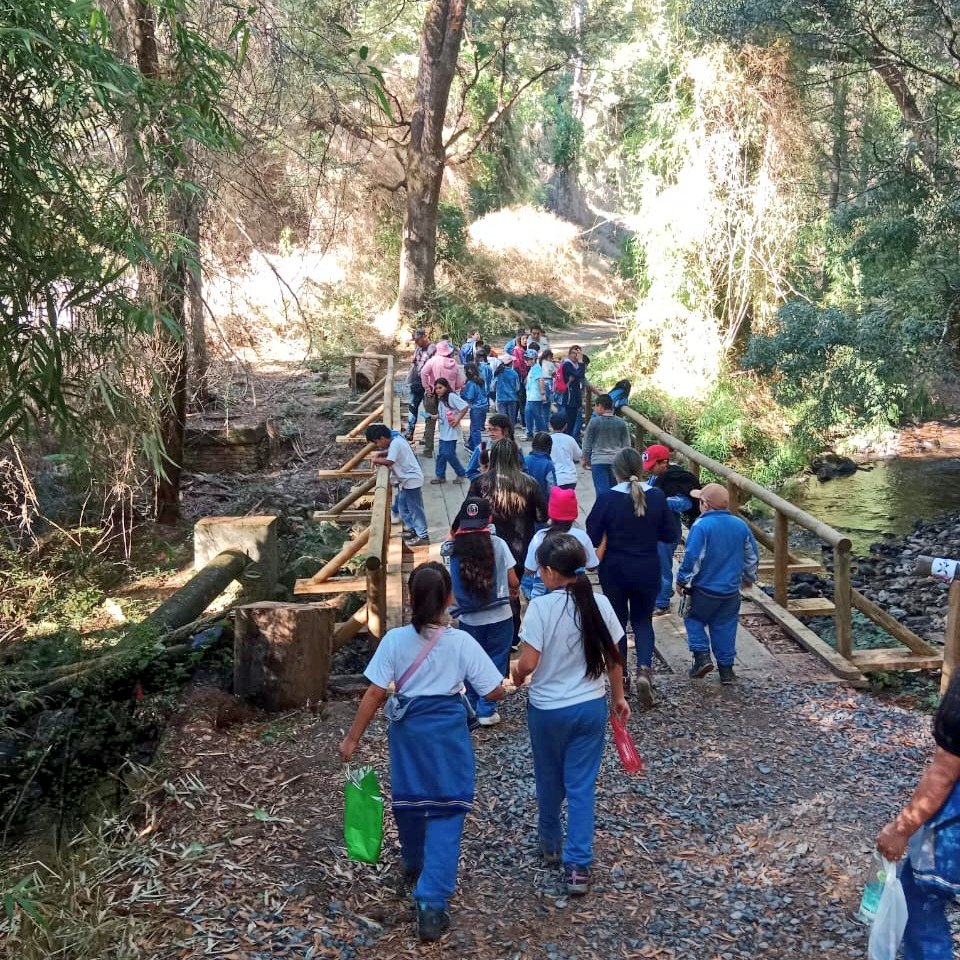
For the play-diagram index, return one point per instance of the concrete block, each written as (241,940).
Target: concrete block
(254,536)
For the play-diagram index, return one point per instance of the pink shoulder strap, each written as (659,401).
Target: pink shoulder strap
(421,656)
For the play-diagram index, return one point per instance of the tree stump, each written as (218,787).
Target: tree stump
(281,655)
(367,371)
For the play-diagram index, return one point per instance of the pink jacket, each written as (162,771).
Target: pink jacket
(440,366)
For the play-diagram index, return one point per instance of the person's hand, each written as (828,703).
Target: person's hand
(680,589)
(746,584)
(585,464)
(892,841)
(621,709)
(517,678)
(347,747)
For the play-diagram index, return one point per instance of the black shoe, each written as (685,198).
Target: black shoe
(702,665)
(432,922)
(727,676)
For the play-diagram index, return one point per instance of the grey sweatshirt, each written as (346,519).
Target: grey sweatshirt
(604,439)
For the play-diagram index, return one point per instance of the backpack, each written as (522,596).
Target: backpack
(559,380)
(471,602)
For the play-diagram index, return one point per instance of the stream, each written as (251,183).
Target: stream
(886,498)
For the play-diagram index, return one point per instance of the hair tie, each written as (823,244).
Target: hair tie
(580,570)
(634,478)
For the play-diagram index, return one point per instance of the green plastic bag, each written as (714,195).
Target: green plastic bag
(363,815)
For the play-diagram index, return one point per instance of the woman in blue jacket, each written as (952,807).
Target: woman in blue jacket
(626,524)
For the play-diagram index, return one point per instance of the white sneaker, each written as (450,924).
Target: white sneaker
(490,721)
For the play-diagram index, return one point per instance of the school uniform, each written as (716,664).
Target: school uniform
(477,396)
(567,718)
(449,434)
(507,388)
(532,584)
(432,788)
(565,454)
(539,465)
(406,475)
(535,416)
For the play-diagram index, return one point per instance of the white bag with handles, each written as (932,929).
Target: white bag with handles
(887,928)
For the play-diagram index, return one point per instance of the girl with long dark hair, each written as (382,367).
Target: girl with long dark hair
(570,637)
(629,521)
(427,662)
(484,580)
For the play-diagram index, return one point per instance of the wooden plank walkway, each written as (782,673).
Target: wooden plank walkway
(754,659)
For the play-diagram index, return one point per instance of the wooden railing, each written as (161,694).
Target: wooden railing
(845,660)
(380,580)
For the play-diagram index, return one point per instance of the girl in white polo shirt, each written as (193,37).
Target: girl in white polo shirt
(570,639)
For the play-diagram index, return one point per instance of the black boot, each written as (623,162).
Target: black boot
(702,665)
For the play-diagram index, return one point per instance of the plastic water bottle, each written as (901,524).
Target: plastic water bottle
(626,749)
(872,890)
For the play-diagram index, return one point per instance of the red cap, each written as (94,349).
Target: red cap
(563,505)
(654,454)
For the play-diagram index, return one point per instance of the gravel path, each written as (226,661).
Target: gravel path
(748,837)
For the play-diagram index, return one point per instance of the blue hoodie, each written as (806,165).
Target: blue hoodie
(720,553)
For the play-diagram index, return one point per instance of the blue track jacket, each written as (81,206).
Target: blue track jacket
(720,552)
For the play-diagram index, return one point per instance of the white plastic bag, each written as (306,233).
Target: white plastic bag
(886,932)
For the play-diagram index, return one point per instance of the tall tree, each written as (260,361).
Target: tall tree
(426,154)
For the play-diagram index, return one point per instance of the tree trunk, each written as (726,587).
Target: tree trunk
(198,328)
(163,288)
(838,153)
(439,49)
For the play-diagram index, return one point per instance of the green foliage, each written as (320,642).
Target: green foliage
(451,233)
(566,133)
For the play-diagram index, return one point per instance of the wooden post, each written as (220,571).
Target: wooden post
(282,653)
(781,558)
(350,549)
(359,457)
(951,647)
(353,496)
(842,599)
(588,406)
(353,373)
(733,493)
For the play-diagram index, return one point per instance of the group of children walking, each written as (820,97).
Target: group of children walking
(515,532)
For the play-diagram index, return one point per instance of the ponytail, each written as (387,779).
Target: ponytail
(566,555)
(627,467)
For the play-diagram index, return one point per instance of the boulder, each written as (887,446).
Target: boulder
(829,465)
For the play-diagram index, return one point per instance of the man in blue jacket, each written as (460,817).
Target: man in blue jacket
(721,555)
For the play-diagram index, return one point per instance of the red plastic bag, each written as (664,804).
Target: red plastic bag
(631,760)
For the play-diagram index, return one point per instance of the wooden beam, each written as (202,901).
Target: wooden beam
(765,539)
(806,637)
(893,658)
(781,558)
(812,607)
(354,495)
(951,650)
(894,627)
(371,394)
(344,474)
(350,549)
(842,615)
(373,417)
(344,632)
(803,565)
(359,456)
(379,522)
(346,516)
(335,585)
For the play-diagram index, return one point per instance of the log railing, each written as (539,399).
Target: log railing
(376,404)
(845,661)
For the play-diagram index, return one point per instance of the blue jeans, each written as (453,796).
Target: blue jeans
(409,504)
(718,629)
(416,398)
(574,421)
(927,936)
(496,640)
(632,602)
(447,453)
(567,748)
(430,847)
(508,408)
(666,552)
(535,417)
(602,474)
(478,417)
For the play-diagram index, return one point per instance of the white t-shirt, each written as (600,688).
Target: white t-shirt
(456,657)
(560,679)
(406,471)
(530,562)
(503,561)
(534,376)
(565,453)
(455,403)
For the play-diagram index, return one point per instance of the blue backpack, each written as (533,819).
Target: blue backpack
(466,601)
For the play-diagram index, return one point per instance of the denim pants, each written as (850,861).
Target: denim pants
(927,936)
(574,421)
(416,398)
(567,748)
(409,504)
(666,552)
(508,408)
(496,640)
(447,453)
(602,474)
(430,847)
(632,601)
(716,629)
(534,417)
(478,417)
